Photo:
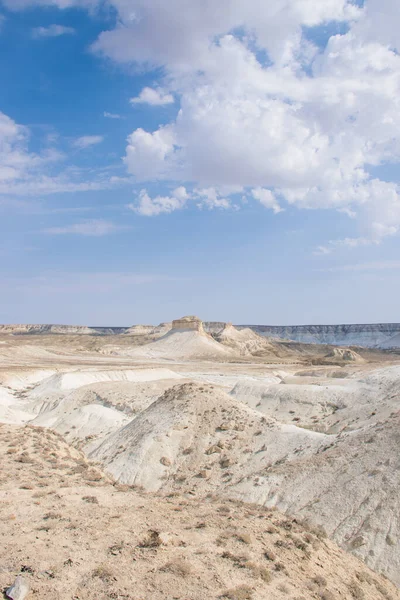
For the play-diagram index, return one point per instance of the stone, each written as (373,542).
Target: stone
(227,426)
(19,589)
(214,450)
(165,461)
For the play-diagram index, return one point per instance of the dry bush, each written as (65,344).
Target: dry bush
(241,592)
(326,595)
(90,499)
(178,567)
(244,537)
(382,590)
(259,571)
(102,572)
(152,540)
(356,591)
(52,515)
(283,588)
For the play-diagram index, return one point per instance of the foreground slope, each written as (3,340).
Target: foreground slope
(73,534)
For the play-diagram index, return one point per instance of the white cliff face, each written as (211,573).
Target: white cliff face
(381,335)
(188,324)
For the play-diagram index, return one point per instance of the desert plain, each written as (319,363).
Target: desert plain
(195,461)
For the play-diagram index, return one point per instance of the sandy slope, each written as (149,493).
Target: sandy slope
(74,535)
(183,345)
(197,438)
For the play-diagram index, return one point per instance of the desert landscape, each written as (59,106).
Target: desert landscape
(192,461)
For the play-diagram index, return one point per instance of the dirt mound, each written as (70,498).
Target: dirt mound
(73,534)
(345,354)
(197,438)
(186,341)
(339,356)
(245,341)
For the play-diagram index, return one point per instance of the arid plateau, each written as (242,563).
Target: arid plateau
(197,460)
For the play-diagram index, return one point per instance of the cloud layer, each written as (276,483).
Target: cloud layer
(266,109)
(272,107)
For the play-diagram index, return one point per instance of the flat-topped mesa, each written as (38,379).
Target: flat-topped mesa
(190,323)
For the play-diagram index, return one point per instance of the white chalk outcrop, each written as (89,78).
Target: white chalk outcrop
(186,340)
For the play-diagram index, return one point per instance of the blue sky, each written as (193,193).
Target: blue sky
(156,162)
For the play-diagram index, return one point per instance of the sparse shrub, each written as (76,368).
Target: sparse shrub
(356,591)
(241,592)
(259,571)
(52,515)
(280,567)
(177,567)
(152,540)
(244,537)
(320,581)
(269,555)
(90,499)
(326,595)
(102,572)
(364,576)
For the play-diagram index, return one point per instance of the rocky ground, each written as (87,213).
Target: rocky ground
(74,534)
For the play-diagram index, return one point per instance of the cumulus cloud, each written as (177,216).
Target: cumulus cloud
(264,109)
(109,115)
(267,199)
(148,154)
(52,31)
(87,140)
(92,228)
(304,124)
(154,97)
(149,207)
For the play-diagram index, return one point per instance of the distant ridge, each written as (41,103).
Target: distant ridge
(368,335)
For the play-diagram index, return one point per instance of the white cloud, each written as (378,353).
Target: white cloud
(26,173)
(211,198)
(147,154)
(92,227)
(267,199)
(154,97)
(149,207)
(52,31)
(87,140)
(267,111)
(16,162)
(109,115)
(304,127)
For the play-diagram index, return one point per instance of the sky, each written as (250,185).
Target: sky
(233,159)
